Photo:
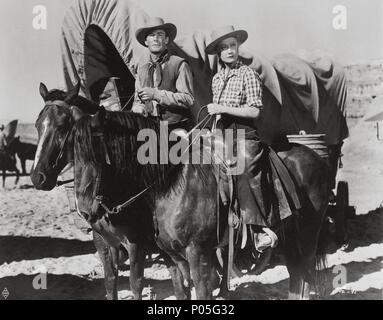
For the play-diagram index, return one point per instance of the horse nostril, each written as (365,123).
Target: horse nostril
(42,178)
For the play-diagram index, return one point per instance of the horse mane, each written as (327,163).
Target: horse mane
(83,141)
(119,132)
(87,106)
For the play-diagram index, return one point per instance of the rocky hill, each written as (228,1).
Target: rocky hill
(365,83)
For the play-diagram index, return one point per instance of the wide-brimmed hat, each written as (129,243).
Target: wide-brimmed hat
(223,33)
(155,23)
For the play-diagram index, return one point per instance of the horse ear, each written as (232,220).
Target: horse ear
(43,90)
(73,93)
(77,113)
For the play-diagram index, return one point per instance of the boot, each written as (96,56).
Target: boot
(265,239)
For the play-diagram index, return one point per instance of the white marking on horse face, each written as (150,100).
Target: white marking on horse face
(41,142)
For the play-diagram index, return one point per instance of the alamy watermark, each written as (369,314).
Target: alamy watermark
(339,21)
(341,276)
(201,146)
(40,17)
(39,281)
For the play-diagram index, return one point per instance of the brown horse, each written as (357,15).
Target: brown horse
(183,201)
(57,127)
(8,163)
(24,151)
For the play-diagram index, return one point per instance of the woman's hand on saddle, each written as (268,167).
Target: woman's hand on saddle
(215,108)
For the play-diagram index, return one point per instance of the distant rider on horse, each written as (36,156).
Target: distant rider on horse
(3,139)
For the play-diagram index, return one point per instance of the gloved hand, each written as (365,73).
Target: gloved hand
(148,94)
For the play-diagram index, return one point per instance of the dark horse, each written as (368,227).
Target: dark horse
(57,125)
(8,163)
(24,151)
(183,200)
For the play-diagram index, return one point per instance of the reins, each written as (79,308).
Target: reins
(117,209)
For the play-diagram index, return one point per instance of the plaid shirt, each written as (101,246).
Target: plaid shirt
(243,87)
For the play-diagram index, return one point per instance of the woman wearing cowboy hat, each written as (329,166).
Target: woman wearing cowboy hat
(164,82)
(237,100)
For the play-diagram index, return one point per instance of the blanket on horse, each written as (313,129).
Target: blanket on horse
(263,193)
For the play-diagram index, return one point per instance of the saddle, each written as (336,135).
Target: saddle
(280,182)
(277,178)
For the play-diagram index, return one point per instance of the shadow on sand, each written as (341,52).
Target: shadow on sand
(71,287)
(364,230)
(16,248)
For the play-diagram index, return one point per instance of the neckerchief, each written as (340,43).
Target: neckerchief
(155,70)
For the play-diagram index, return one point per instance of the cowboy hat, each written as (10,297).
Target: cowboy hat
(154,24)
(223,33)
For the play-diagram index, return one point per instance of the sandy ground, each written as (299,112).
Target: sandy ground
(37,233)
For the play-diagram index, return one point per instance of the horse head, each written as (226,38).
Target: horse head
(54,125)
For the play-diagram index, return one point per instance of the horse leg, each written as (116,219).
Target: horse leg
(184,269)
(17,176)
(180,274)
(109,258)
(136,261)
(300,260)
(222,263)
(4,172)
(201,271)
(24,171)
(299,288)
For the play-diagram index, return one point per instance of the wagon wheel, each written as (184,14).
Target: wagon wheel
(342,203)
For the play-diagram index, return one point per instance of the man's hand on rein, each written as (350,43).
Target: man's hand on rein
(148,94)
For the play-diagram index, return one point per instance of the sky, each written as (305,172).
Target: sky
(29,56)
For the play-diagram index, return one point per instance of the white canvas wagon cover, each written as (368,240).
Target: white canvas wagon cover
(98,42)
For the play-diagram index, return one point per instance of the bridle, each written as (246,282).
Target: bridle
(60,103)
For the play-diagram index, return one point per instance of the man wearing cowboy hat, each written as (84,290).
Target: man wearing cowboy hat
(237,100)
(164,84)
